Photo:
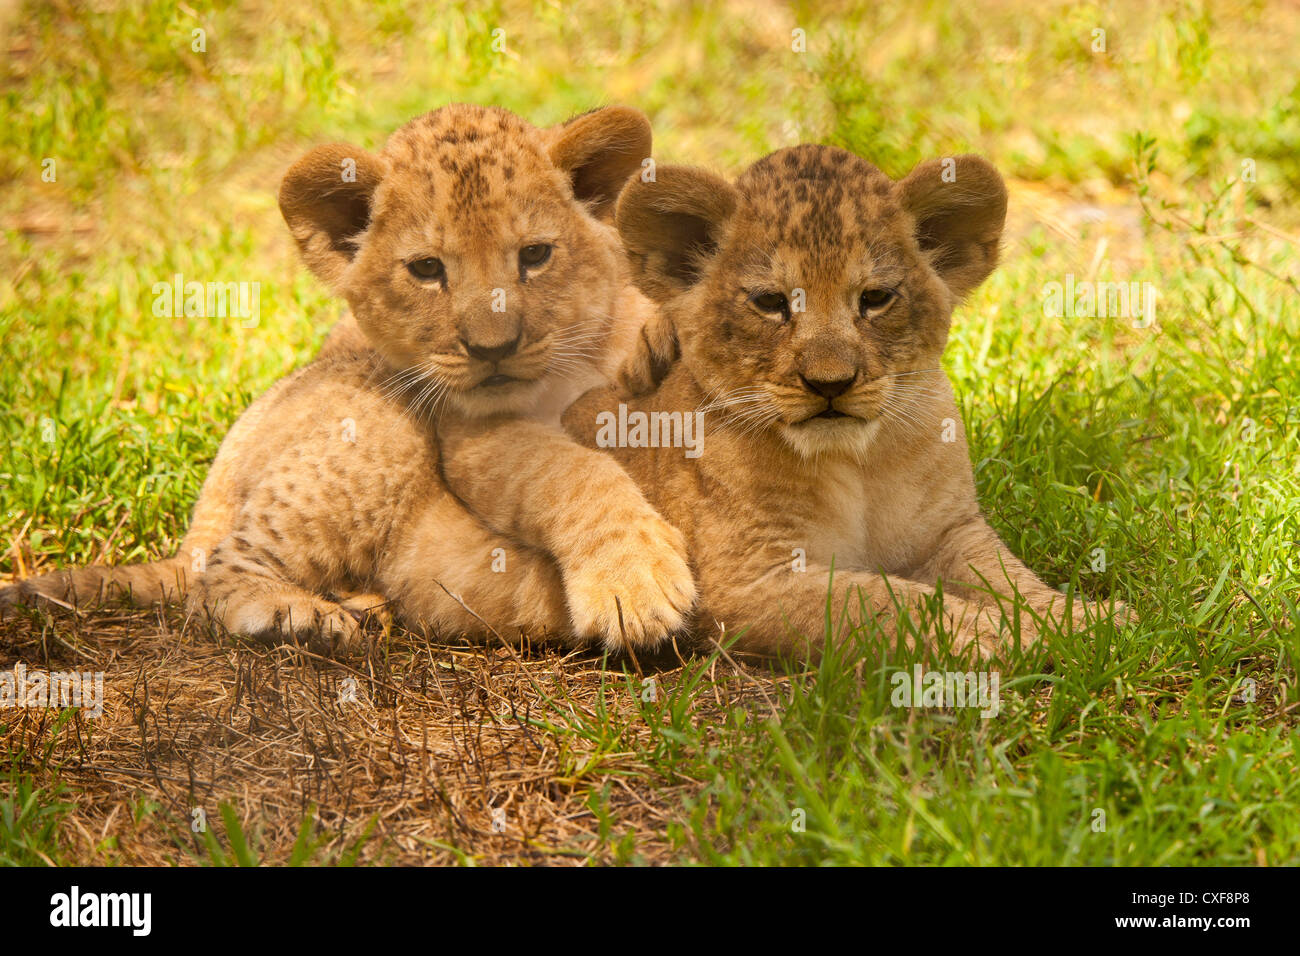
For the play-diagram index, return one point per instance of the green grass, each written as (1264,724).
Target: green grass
(1173,449)
(32,810)
(30,816)
(241,847)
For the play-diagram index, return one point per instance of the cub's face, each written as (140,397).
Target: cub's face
(472,254)
(813,297)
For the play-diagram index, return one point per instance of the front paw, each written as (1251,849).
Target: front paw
(983,627)
(1120,613)
(633,591)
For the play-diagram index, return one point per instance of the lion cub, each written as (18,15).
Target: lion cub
(485,288)
(804,312)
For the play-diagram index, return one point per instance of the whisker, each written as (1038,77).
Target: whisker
(919,371)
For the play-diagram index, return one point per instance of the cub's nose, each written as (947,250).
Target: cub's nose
(829,389)
(492,353)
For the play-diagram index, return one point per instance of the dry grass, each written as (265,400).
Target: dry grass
(438,738)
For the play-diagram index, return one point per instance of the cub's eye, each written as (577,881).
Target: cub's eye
(426,270)
(875,300)
(773,303)
(530,257)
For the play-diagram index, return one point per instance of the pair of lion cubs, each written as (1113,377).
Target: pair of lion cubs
(497,275)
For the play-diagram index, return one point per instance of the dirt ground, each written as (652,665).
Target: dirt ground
(420,753)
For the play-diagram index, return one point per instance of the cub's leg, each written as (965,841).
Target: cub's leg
(267,579)
(625,569)
(449,573)
(245,588)
(367,604)
(781,611)
(973,559)
(440,569)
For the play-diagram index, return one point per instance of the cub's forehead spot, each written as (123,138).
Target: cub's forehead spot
(462,168)
(426,231)
(470,179)
(822,211)
(459,125)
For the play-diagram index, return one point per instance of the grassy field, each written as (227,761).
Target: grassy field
(1155,462)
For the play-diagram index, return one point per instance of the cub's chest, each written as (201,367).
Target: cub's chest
(865,519)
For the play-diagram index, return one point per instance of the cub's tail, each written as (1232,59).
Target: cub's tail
(142,585)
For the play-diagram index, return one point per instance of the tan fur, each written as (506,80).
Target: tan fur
(328,487)
(877,492)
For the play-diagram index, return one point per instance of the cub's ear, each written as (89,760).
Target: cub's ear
(670,226)
(326,200)
(960,207)
(598,151)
